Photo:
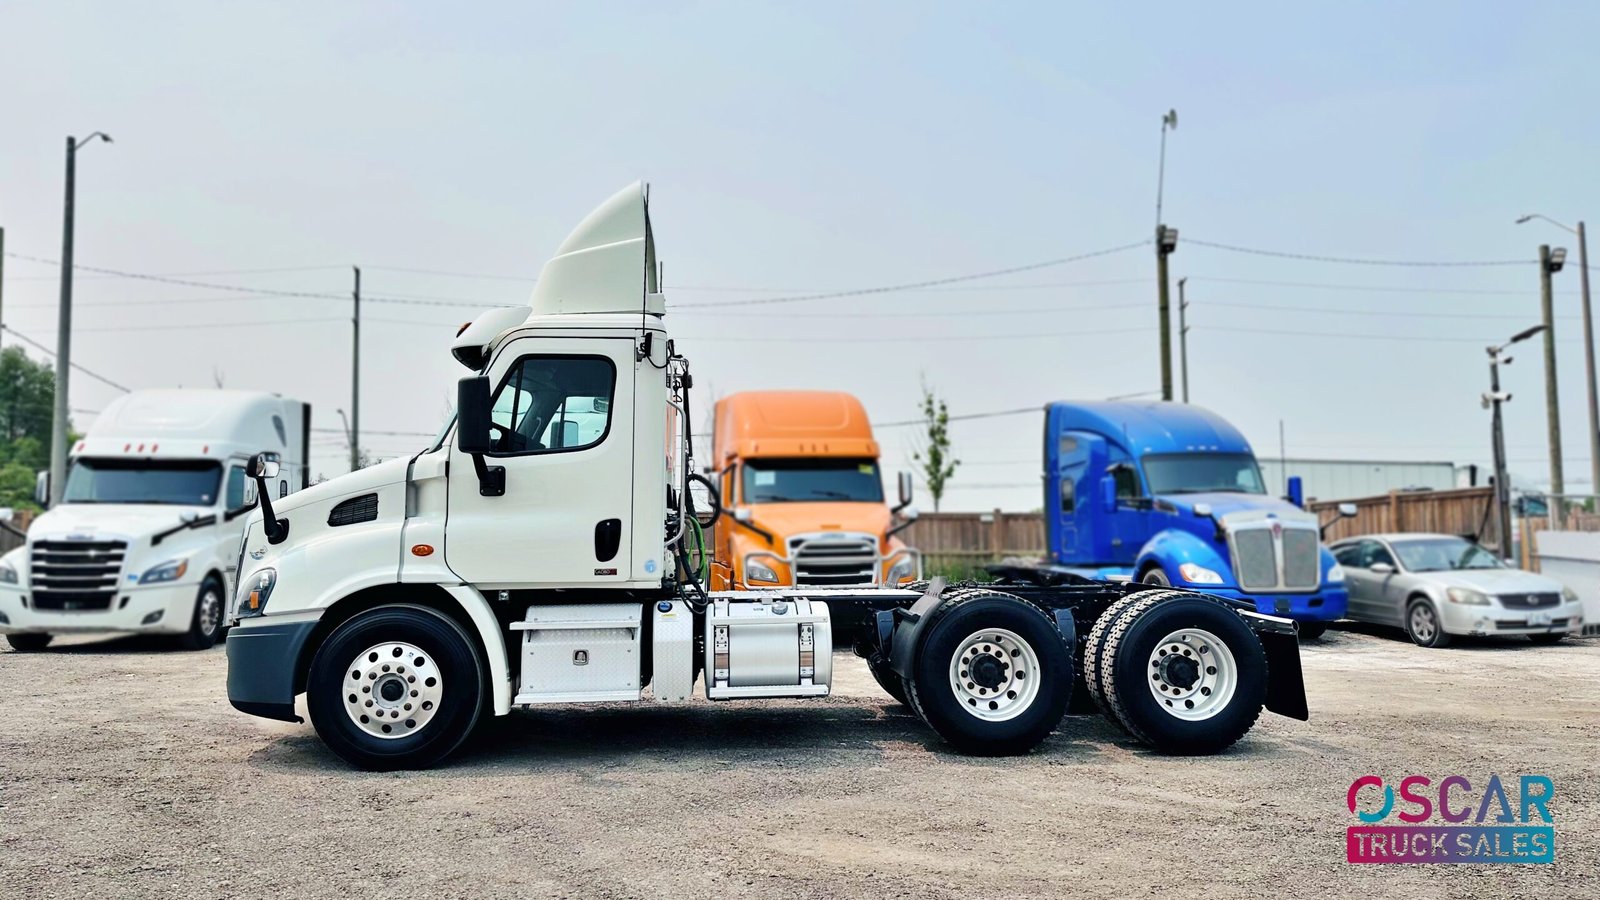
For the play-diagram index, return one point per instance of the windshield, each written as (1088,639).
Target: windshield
(812,480)
(1197,473)
(179,482)
(1443,555)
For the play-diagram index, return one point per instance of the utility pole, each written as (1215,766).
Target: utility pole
(1183,338)
(58,425)
(1494,400)
(355,374)
(3,284)
(1550,262)
(1166,242)
(1588,363)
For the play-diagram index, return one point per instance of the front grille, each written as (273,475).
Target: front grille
(1290,560)
(75,575)
(834,560)
(1529,601)
(1523,623)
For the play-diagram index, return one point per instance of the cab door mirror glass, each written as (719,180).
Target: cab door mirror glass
(262,465)
(473,407)
(905,488)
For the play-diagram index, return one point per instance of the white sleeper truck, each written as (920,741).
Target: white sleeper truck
(542,550)
(146,537)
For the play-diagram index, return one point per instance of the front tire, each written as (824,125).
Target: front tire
(1545,640)
(1310,631)
(993,674)
(1423,625)
(31,642)
(396,687)
(1184,673)
(205,625)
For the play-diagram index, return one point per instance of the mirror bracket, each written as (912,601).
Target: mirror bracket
(260,468)
(491,479)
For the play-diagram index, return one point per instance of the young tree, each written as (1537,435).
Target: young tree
(27,395)
(934,456)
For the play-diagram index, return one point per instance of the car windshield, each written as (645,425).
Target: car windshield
(1443,555)
(1198,473)
(812,480)
(191,482)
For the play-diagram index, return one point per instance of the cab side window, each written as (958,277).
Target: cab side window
(551,404)
(1127,479)
(235,494)
(1372,553)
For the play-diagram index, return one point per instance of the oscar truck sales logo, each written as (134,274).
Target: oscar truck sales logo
(1452,820)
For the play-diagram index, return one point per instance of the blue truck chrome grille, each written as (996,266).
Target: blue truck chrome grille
(1270,557)
(1258,559)
(1302,568)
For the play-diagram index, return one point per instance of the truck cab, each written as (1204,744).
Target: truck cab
(1171,494)
(799,473)
(146,536)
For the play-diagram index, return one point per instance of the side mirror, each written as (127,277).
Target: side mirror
(1203,510)
(905,489)
(743,515)
(249,495)
(261,466)
(1347,510)
(1297,491)
(41,489)
(473,408)
(910,513)
(1381,568)
(1108,494)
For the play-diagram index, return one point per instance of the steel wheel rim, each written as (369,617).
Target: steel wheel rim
(210,611)
(1422,624)
(995,675)
(1193,674)
(392,690)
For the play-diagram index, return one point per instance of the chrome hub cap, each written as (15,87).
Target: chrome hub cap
(210,612)
(392,690)
(1193,675)
(995,674)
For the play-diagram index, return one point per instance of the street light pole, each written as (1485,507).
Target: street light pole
(355,374)
(1166,242)
(1588,344)
(1502,481)
(58,424)
(1550,262)
(1183,338)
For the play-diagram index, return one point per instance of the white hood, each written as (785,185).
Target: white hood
(107,521)
(1495,581)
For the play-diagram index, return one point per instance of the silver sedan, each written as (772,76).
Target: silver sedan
(1438,585)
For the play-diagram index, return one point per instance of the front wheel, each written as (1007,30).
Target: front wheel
(993,674)
(1423,625)
(1547,639)
(1310,631)
(31,642)
(205,625)
(396,687)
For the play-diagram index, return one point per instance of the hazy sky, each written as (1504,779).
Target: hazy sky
(806,147)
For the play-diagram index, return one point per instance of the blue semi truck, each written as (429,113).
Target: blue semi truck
(1171,494)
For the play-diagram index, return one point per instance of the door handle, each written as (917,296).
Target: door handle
(607,538)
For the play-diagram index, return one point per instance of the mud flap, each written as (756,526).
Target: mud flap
(1286,686)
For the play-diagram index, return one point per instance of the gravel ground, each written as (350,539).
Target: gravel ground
(124,773)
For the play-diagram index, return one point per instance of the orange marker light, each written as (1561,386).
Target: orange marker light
(421,549)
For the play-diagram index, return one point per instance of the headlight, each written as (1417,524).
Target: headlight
(254,591)
(1336,574)
(8,573)
(904,570)
(754,571)
(1567,594)
(1194,574)
(1467,596)
(171,570)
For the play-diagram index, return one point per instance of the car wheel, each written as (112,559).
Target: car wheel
(31,642)
(205,626)
(396,687)
(1547,639)
(1423,625)
(1310,631)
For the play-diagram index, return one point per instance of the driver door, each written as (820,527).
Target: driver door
(562,428)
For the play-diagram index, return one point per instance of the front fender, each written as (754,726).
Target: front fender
(1172,548)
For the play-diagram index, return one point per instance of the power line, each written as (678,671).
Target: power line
(183,274)
(918,285)
(1418,338)
(1370,288)
(43,349)
(1043,285)
(961,418)
(522,278)
(977,338)
(1309,257)
(1365,312)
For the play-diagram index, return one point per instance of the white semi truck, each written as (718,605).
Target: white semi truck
(531,556)
(146,537)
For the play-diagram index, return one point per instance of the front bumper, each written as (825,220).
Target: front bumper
(263,659)
(157,609)
(1460,618)
(1326,605)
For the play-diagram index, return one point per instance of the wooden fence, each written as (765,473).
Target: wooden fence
(14,534)
(976,537)
(1463,511)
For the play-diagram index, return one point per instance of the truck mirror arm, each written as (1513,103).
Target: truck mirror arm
(277,529)
(491,479)
(201,522)
(750,525)
(907,523)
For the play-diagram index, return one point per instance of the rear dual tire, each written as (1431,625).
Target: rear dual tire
(1180,672)
(993,674)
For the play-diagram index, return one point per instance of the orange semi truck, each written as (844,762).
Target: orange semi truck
(798,473)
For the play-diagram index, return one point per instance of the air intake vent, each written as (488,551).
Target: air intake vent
(357,509)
